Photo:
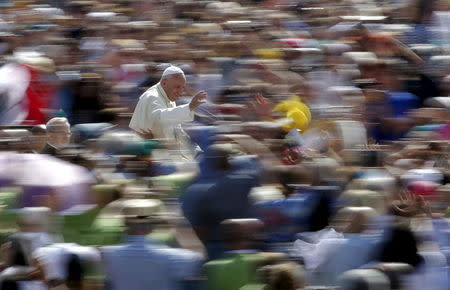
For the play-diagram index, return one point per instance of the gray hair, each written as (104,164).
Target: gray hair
(55,123)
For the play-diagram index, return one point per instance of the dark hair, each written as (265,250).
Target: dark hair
(38,129)
(283,281)
(401,247)
(9,285)
(424,8)
(218,156)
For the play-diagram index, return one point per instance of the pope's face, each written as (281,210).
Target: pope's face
(174,86)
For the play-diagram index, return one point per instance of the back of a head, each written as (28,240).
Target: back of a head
(237,228)
(284,276)
(283,281)
(395,271)
(293,175)
(217,155)
(38,129)
(365,198)
(363,279)
(353,219)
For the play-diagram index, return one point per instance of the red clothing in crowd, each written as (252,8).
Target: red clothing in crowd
(38,97)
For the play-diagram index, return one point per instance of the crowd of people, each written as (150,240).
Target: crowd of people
(276,145)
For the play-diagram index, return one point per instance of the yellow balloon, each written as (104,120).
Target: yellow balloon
(300,106)
(300,120)
(297,111)
(291,105)
(304,108)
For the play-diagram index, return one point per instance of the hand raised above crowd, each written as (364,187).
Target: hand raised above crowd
(197,100)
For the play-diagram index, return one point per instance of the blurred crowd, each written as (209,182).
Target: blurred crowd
(318,159)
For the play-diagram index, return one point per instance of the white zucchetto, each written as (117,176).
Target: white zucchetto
(172,70)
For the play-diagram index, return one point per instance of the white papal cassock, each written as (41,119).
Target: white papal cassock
(156,113)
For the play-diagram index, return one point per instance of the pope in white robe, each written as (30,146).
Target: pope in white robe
(158,114)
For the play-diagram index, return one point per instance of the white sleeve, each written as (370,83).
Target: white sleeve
(53,260)
(170,116)
(151,112)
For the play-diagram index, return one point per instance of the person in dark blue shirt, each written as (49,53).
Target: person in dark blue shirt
(219,193)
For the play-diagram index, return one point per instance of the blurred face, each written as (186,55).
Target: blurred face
(174,86)
(60,135)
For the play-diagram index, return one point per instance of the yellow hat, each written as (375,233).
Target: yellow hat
(269,53)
